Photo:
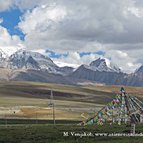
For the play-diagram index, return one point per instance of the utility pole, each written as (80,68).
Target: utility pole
(53,106)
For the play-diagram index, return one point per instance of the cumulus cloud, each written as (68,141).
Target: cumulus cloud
(21,4)
(5,4)
(87,26)
(87,21)
(74,59)
(123,59)
(113,27)
(9,44)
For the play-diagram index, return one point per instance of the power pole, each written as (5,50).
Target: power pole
(53,105)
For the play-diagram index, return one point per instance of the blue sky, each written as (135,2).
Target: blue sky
(11,18)
(101,53)
(76,32)
(55,55)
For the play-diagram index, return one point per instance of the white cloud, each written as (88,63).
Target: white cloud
(30,4)
(114,27)
(21,4)
(9,44)
(43,15)
(74,59)
(5,4)
(61,63)
(121,58)
(86,26)
(69,21)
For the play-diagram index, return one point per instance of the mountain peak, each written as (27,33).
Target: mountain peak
(27,54)
(104,65)
(2,54)
(31,63)
(31,60)
(98,63)
(8,51)
(139,70)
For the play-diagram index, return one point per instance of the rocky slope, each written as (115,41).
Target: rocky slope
(33,66)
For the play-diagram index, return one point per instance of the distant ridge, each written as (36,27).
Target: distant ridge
(33,66)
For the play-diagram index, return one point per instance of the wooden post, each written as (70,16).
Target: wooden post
(133,127)
(141,118)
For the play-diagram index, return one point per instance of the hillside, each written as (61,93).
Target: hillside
(94,94)
(30,100)
(26,65)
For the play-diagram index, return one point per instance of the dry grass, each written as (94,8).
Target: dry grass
(31,108)
(138,91)
(31,99)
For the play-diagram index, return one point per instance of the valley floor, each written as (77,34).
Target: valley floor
(26,115)
(31,100)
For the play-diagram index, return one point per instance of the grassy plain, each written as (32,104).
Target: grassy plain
(31,100)
(55,134)
(25,105)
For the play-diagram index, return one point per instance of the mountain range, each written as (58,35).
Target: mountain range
(32,66)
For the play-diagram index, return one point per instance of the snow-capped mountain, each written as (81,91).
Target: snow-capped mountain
(139,71)
(105,77)
(66,70)
(100,71)
(102,65)
(28,60)
(33,66)
(136,78)
(23,59)
(3,57)
(8,51)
